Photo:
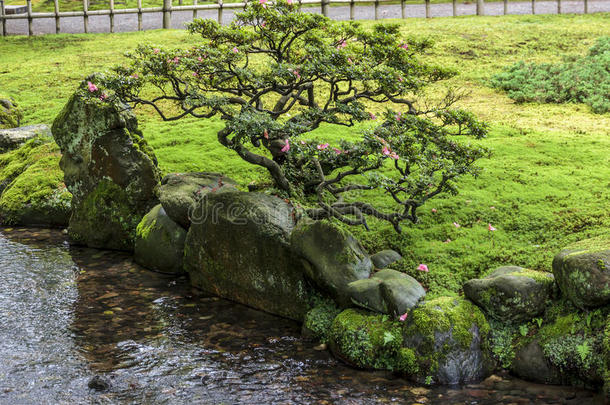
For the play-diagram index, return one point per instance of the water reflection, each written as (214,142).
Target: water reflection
(69,313)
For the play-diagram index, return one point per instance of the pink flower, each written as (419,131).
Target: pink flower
(349,60)
(422,267)
(342,44)
(155,51)
(303,143)
(103,96)
(289,1)
(286,147)
(199,58)
(338,151)
(399,78)
(385,151)
(176,60)
(394,156)
(135,76)
(263,3)
(322,146)
(373,116)
(447,241)
(398,117)
(297,74)
(456,225)
(91,87)
(195,74)
(403,317)
(433,210)
(490,228)
(235,50)
(266,134)
(492,208)
(404,46)
(264,24)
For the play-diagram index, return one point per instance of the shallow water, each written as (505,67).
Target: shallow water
(68,314)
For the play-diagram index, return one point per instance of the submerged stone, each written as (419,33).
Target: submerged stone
(449,336)
(179,192)
(512,294)
(109,169)
(159,242)
(383,259)
(240,250)
(333,257)
(582,272)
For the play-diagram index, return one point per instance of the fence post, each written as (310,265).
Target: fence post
(167,14)
(533,7)
(455,8)
(111,15)
(377,9)
(56,6)
(139,15)
(352,10)
(427,8)
(2,14)
(30,28)
(194,11)
(480,7)
(325,7)
(220,12)
(558,6)
(403,9)
(586,6)
(505,7)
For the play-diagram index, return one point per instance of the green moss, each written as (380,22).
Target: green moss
(591,245)
(319,319)
(538,276)
(370,341)
(606,354)
(145,227)
(10,117)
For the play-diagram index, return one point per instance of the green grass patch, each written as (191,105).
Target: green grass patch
(547,185)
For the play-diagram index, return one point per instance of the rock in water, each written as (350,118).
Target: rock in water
(512,294)
(449,336)
(179,192)
(333,257)
(109,169)
(583,272)
(239,249)
(15,137)
(159,242)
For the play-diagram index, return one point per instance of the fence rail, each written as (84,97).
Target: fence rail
(167,9)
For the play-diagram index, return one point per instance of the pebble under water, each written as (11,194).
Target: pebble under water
(80,326)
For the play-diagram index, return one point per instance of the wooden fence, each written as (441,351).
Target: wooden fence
(168,7)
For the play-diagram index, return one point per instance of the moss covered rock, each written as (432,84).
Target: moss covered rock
(333,257)
(450,338)
(15,137)
(370,341)
(32,191)
(512,294)
(109,169)
(319,319)
(179,192)
(383,259)
(160,242)
(240,250)
(582,272)
(606,354)
(10,114)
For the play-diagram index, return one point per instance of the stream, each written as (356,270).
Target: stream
(68,314)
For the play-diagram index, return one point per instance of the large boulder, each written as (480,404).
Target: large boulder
(383,259)
(179,192)
(109,169)
(159,242)
(582,272)
(32,191)
(531,364)
(10,114)
(512,294)
(450,338)
(387,291)
(239,249)
(15,137)
(333,257)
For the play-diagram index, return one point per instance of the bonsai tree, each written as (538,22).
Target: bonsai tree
(275,75)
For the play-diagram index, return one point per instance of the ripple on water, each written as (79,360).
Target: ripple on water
(69,313)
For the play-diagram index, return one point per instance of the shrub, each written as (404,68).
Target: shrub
(275,74)
(585,80)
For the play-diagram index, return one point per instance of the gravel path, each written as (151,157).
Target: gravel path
(128,22)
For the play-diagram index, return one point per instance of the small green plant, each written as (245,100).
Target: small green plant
(584,350)
(428,380)
(523,330)
(585,80)
(539,322)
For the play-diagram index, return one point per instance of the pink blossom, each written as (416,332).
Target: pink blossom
(342,44)
(195,74)
(264,24)
(399,78)
(492,208)
(155,51)
(135,76)
(373,116)
(263,3)
(297,74)
(404,46)
(490,228)
(103,96)
(394,156)
(176,60)
(235,50)
(447,241)
(199,58)
(338,151)
(422,267)
(398,117)
(433,210)
(403,317)
(91,87)
(266,134)
(385,151)
(303,143)
(289,1)
(322,146)
(456,225)
(286,147)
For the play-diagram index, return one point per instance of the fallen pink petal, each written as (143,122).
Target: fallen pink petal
(491,228)
(456,225)
(403,317)
(422,267)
